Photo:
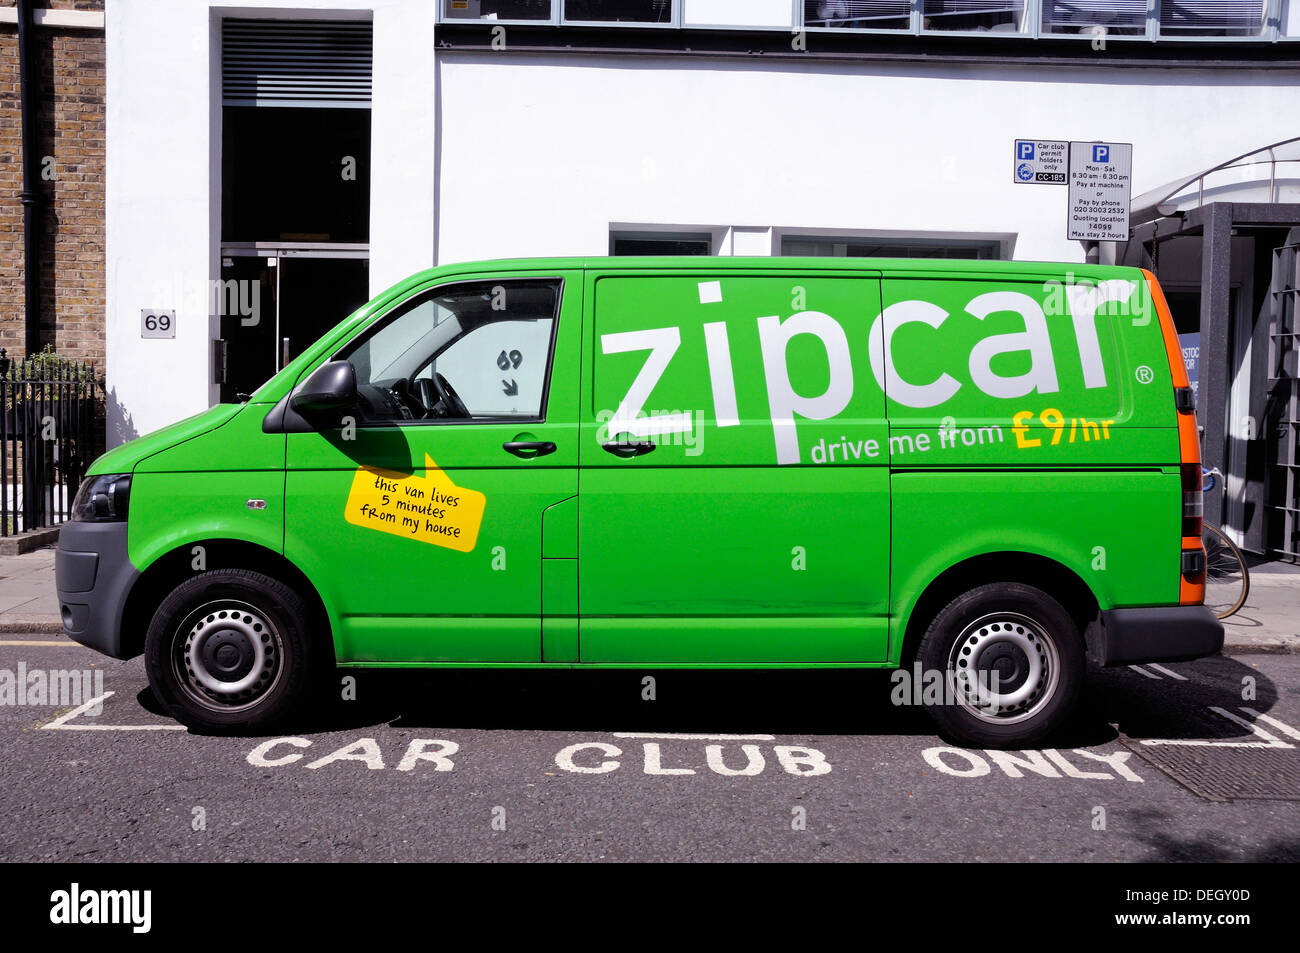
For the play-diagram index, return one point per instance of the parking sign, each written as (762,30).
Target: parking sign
(1100,191)
(1040,162)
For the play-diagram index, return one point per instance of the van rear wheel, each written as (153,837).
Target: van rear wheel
(1013,664)
(228,651)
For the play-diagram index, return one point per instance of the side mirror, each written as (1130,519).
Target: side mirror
(331,387)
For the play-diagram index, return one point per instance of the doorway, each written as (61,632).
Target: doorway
(295,190)
(275,303)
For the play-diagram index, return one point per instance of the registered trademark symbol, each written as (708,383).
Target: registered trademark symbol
(1145,375)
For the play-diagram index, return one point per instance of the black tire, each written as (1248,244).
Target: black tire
(224,629)
(1004,628)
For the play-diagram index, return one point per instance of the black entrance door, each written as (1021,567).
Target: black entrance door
(246,303)
(316,294)
(261,305)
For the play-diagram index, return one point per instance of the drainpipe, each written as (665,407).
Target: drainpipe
(31,196)
(32,207)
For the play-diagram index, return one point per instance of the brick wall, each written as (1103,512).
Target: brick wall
(70,65)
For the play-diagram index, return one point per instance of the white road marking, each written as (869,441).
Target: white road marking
(689,737)
(1141,671)
(1170,673)
(977,763)
(1273,741)
(794,759)
(1281,726)
(68,716)
(1269,741)
(62,722)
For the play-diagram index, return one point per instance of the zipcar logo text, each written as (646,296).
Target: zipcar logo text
(1084,300)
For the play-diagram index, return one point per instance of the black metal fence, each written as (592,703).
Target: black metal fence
(49,433)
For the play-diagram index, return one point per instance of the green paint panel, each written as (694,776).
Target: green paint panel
(170,510)
(237,444)
(560,529)
(559,610)
(1118,531)
(129,456)
(426,638)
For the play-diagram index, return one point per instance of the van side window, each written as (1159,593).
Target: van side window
(477,351)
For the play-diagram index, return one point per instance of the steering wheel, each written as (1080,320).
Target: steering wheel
(452,405)
(426,393)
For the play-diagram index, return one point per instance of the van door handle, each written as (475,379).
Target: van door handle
(631,448)
(528,449)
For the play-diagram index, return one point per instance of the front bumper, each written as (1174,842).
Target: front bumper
(1159,634)
(93,576)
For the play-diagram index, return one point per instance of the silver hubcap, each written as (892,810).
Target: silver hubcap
(228,655)
(1005,666)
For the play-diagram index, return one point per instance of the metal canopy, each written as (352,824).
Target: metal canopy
(1270,174)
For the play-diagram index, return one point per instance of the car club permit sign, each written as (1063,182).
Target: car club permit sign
(1041,161)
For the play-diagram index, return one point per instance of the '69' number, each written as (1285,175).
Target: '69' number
(157,324)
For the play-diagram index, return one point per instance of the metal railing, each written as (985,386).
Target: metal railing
(1164,201)
(49,434)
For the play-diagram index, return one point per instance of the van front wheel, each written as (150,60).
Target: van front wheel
(228,650)
(1012,661)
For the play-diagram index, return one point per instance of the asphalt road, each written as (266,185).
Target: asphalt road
(517,765)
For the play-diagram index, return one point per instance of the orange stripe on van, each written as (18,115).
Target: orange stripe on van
(1172,349)
(1189,439)
(1191,592)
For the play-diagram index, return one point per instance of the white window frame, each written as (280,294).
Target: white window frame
(672,233)
(674,19)
(1032,26)
(914,23)
(444,17)
(1005,241)
(1270,32)
(1030,12)
(557,18)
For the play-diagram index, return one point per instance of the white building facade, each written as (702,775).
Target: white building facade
(499,128)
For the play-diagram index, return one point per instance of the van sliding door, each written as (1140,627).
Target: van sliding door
(734,493)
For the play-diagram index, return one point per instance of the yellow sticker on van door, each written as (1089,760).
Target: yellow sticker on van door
(430,508)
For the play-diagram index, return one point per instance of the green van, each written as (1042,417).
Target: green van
(988,471)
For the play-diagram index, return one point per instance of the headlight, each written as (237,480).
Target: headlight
(102,499)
